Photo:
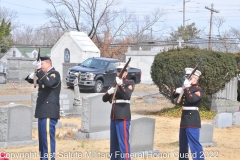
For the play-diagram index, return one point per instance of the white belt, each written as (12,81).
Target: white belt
(190,108)
(121,101)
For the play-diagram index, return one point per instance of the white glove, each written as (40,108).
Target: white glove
(37,64)
(187,83)
(31,76)
(179,90)
(119,81)
(111,90)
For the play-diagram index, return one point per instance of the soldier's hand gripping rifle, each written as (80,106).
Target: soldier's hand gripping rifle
(115,85)
(188,77)
(35,71)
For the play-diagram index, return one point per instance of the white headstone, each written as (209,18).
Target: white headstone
(206,135)
(236,118)
(223,120)
(142,133)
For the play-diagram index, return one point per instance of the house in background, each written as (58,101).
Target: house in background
(24,52)
(73,47)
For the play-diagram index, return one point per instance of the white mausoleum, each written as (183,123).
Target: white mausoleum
(73,47)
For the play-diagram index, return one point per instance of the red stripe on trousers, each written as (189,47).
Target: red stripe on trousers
(125,138)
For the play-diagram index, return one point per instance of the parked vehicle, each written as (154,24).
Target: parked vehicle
(97,73)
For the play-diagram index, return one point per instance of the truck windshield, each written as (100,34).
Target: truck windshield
(94,63)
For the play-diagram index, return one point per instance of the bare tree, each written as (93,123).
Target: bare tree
(140,27)
(235,32)
(8,15)
(228,44)
(80,15)
(28,35)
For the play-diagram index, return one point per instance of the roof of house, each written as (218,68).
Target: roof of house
(44,51)
(82,40)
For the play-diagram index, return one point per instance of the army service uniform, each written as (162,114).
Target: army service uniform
(120,121)
(47,111)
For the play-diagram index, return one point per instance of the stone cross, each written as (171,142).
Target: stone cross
(180,40)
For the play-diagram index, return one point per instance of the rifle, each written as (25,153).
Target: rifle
(188,77)
(115,83)
(35,71)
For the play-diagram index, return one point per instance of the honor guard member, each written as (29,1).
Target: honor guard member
(120,115)
(47,108)
(190,124)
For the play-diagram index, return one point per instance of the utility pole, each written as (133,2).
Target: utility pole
(184,2)
(210,30)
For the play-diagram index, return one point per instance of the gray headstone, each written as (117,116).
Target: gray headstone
(34,96)
(95,113)
(95,118)
(15,125)
(142,133)
(66,100)
(236,119)
(2,78)
(206,135)
(223,120)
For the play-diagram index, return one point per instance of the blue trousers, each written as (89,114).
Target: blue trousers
(46,137)
(190,136)
(119,140)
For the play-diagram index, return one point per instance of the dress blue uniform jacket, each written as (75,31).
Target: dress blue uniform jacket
(191,118)
(124,92)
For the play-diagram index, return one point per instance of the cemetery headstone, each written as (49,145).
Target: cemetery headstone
(236,119)
(142,134)
(2,78)
(223,120)
(16,125)
(95,118)
(206,135)
(77,103)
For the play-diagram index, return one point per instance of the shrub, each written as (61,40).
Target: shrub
(217,68)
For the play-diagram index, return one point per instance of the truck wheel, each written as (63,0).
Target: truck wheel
(98,86)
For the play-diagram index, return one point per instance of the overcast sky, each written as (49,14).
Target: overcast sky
(31,12)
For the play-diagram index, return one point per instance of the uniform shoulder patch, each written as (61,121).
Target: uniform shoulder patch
(53,75)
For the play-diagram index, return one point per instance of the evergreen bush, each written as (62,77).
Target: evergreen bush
(168,69)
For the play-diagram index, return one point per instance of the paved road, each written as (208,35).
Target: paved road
(18,98)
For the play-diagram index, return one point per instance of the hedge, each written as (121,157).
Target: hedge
(168,69)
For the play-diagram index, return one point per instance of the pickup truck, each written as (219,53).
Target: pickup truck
(97,73)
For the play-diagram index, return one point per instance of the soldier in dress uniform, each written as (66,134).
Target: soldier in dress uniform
(48,107)
(190,124)
(120,115)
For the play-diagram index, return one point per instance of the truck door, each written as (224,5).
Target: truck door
(110,74)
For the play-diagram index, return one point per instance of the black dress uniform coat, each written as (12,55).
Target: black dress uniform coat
(124,92)
(191,118)
(48,94)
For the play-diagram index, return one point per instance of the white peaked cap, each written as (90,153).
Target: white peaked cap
(121,65)
(189,71)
